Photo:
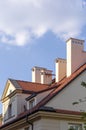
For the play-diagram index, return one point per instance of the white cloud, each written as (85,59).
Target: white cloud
(23,20)
(83,3)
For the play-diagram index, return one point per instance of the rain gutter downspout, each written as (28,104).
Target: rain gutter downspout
(30,123)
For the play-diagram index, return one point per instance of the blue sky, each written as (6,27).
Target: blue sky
(33,33)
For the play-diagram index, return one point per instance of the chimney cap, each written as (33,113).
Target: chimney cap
(60,59)
(36,67)
(41,68)
(75,39)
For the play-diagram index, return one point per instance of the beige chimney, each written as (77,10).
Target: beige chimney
(46,76)
(41,75)
(36,76)
(76,56)
(60,69)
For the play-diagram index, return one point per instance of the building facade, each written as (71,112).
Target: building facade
(47,103)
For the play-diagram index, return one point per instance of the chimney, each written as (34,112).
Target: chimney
(36,77)
(41,75)
(46,76)
(76,56)
(60,69)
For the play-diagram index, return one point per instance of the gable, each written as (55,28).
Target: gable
(71,93)
(8,89)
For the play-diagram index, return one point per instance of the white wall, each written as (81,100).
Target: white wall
(18,101)
(5,109)
(73,92)
(53,124)
(11,88)
(46,124)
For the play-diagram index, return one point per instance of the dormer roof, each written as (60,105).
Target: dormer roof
(24,87)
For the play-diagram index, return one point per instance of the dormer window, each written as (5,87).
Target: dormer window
(9,110)
(31,103)
(10,91)
(73,126)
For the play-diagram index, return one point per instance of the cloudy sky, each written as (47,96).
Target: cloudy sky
(33,33)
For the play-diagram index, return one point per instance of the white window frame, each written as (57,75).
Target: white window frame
(32,103)
(74,126)
(10,110)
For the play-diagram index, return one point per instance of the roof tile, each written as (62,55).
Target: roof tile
(34,87)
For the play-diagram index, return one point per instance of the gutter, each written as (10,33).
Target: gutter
(30,123)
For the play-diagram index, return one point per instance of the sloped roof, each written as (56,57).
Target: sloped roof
(26,87)
(56,87)
(30,86)
(62,84)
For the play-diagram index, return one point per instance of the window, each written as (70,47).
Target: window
(31,103)
(9,110)
(85,126)
(10,91)
(73,126)
(27,128)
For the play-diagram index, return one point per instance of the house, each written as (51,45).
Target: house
(46,103)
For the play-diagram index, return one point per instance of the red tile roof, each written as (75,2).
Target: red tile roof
(33,87)
(68,112)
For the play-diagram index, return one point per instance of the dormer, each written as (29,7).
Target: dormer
(31,101)
(8,101)
(9,88)
(13,100)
